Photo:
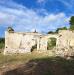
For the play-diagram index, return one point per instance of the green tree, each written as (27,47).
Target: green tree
(63,28)
(72,23)
(50,32)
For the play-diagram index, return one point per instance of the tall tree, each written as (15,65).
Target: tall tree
(72,23)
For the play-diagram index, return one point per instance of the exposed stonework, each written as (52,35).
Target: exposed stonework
(65,43)
(23,42)
(20,42)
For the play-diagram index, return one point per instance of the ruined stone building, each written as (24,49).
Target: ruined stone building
(19,42)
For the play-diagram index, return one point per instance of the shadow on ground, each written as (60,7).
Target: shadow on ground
(45,66)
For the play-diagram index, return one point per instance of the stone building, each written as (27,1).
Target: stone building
(18,42)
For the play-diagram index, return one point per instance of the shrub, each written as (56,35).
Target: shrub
(2,43)
(51,43)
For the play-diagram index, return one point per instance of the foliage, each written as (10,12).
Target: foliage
(72,27)
(51,43)
(2,43)
(2,40)
(72,20)
(50,32)
(72,23)
(63,28)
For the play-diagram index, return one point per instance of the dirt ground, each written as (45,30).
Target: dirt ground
(44,66)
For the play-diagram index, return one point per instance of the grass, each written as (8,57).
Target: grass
(46,65)
(2,43)
(23,58)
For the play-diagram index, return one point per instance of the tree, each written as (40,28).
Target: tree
(72,23)
(63,28)
(72,20)
(50,32)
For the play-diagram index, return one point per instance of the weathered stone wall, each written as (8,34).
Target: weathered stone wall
(43,43)
(23,42)
(65,43)
(20,42)
(66,39)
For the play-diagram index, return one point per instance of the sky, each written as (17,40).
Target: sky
(28,15)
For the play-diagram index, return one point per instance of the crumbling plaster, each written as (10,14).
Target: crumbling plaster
(17,42)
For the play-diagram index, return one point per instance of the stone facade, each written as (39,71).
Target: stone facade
(20,42)
(17,42)
(65,43)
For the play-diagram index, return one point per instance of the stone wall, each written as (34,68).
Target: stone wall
(65,43)
(66,39)
(23,42)
(20,42)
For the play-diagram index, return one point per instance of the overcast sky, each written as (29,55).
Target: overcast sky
(42,15)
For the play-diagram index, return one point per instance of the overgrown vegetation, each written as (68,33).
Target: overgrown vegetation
(63,28)
(72,23)
(2,43)
(51,43)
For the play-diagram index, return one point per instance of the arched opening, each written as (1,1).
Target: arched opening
(51,43)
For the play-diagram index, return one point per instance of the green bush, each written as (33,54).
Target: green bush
(51,43)
(2,43)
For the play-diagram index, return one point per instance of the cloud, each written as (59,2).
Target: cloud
(40,1)
(27,19)
(68,3)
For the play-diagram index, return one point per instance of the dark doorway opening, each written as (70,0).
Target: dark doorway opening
(34,48)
